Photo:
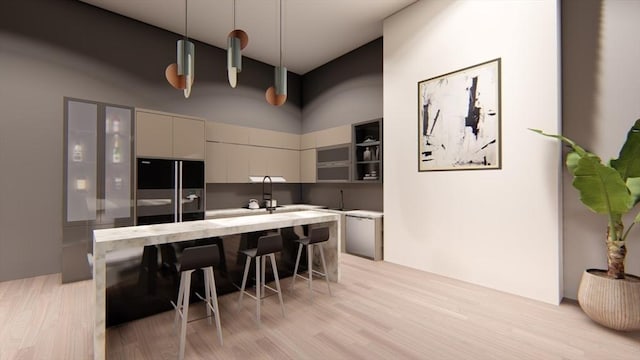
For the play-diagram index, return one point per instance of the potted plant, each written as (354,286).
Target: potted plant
(611,297)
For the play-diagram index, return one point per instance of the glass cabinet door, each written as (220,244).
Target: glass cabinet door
(117,164)
(81,168)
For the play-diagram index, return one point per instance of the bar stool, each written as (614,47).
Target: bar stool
(267,246)
(316,237)
(193,258)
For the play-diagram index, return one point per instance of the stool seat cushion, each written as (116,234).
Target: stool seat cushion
(303,241)
(249,252)
(198,257)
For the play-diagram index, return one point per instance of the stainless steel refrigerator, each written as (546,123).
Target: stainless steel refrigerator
(98,178)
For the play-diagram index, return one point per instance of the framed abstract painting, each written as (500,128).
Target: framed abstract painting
(459,119)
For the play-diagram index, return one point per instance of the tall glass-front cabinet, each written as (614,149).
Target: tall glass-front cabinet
(98,178)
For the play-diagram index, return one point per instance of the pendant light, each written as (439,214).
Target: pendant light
(277,95)
(237,40)
(180,75)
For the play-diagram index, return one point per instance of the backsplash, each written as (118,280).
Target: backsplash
(356,196)
(225,196)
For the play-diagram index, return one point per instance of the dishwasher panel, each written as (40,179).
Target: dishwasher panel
(364,237)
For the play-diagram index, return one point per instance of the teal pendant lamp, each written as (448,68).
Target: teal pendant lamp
(181,74)
(237,40)
(277,95)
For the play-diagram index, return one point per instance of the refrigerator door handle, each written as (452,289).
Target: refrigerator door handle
(179,196)
(176,197)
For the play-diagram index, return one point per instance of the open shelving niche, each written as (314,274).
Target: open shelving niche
(367,141)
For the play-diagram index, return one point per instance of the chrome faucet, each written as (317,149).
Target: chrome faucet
(341,205)
(267,196)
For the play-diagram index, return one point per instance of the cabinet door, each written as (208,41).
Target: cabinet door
(188,138)
(333,136)
(285,163)
(216,162)
(274,139)
(292,165)
(227,133)
(237,163)
(333,163)
(154,135)
(258,160)
(308,141)
(308,166)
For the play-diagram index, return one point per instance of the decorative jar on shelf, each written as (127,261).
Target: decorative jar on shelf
(366,155)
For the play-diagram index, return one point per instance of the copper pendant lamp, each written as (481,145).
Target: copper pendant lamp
(277,95)
(181,74)
(237,40)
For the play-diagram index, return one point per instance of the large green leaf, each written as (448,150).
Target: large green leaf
(633,184)
(601,187)
(628,162)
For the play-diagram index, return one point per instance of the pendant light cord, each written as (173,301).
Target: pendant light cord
(234,14)
(186,11)
(280,33)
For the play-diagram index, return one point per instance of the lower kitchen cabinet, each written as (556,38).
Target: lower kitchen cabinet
(364,234)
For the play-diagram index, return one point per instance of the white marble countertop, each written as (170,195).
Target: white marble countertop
(142,235)
(365,213)
(221,213)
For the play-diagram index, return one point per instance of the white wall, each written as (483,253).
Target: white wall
(495,228)
(601,101)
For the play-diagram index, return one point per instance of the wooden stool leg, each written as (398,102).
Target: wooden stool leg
(275,274)
(258,297)
(324,266)
(310,268)
(295,269)
(247,265)
(207,292)
(214,302)
(263,278)
(178,303)
(185,313)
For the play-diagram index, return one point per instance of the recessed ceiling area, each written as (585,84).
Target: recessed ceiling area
(314,32)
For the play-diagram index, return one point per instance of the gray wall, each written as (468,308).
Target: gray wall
(344,91)
(600,103)
(55,48)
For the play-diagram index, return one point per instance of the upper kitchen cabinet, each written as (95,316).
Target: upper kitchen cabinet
(274,139)
(216,161)
(333,163)
(188,138)
(154,135)
(162,135)
(367,150)
(227,133)
(308,166)
(333,136)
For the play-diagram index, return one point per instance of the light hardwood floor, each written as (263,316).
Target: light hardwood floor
(378,311)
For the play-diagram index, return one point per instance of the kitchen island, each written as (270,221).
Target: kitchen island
(108,240)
